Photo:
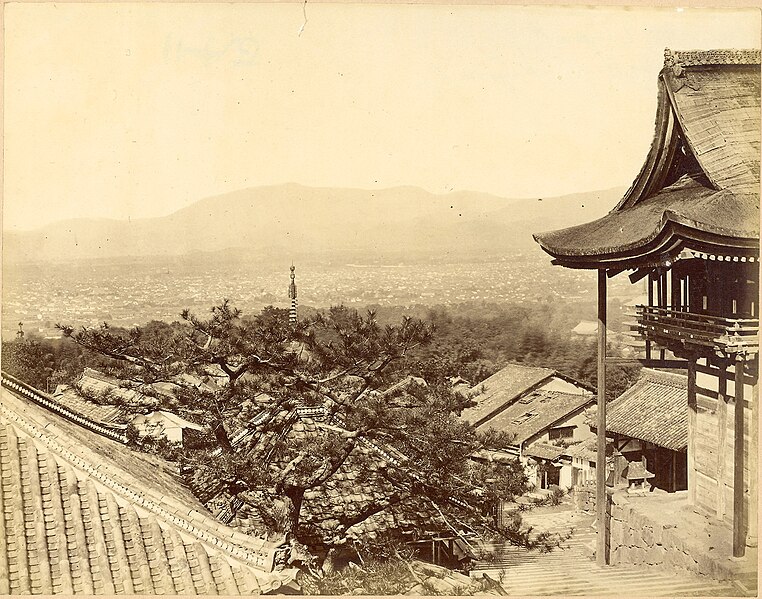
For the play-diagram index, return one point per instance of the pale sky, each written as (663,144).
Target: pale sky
(137,110)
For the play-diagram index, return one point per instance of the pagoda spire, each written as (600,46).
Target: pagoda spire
(292,297)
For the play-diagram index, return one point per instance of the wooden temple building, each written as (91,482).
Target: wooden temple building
(689,225)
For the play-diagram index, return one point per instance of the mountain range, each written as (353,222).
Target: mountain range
(385,224)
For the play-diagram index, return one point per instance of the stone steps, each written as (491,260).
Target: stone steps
(570,569)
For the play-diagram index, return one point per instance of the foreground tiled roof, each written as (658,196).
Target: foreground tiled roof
(535,412)
(654,409)
(700,182)
(501,389)
(85,515)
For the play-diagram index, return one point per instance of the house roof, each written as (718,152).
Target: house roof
(501,389)
(174,419)
(102,413)
(654,409)
(96,383)
(699,186)
(586,327)
(585,450)
(544,451)
(535,412)
(358,484)
(86,515)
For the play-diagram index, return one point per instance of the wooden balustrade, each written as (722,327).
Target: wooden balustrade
(678,330)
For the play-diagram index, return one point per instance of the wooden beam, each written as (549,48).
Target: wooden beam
(675,364)
(639,274)
(600,466)
(650,304)
(739,505)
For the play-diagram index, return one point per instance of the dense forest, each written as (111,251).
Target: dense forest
(471,341)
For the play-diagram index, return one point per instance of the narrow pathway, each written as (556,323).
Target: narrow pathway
(570,569)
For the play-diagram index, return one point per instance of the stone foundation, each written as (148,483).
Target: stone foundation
(663,530)
(584,498)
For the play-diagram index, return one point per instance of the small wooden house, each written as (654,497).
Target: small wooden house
(650,421)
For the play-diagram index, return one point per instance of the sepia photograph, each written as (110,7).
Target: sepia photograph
(427,299)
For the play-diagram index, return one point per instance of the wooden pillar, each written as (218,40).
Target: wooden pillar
(650,304)
(676,289)
(661,290)
(751,540)
(722,434)
(692,431)
(600,467)
(739,511)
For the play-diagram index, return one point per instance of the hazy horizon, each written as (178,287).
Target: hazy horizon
(132,111)
(294,184)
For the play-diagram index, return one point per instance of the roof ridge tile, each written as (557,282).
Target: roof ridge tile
(689,58)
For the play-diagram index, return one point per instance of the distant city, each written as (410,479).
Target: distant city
(132,292)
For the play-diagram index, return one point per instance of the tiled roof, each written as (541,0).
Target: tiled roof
(355,487)
(501,389)
(701,178)
(585,450)
(98,383)
(75,522)
(104,413)
(710,57)
(654,409)
(545,451)
(535,412)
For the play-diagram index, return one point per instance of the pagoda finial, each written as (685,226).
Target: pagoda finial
(292,297)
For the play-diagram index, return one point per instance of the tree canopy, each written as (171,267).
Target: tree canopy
(250,380)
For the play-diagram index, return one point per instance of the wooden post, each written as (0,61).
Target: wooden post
(722,434)
(751,540)
(692,431)
(600,466)
(739,515)
(650,304)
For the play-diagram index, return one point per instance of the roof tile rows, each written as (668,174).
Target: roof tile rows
(68,527)
(536,411)
(357,486)
(654,409)
(103,413)
(502,388)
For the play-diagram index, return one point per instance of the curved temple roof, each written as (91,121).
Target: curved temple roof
(699,186)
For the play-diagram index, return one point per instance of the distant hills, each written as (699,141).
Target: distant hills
(400,223)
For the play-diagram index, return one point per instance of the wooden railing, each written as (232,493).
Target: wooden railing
(676,329)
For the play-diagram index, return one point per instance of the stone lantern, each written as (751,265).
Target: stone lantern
(637,477)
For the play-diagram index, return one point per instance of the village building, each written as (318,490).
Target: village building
(650,421)
(161,423)
(543,410)
(689,225)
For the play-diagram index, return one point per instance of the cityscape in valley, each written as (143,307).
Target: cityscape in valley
(132,293)
(374,381)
